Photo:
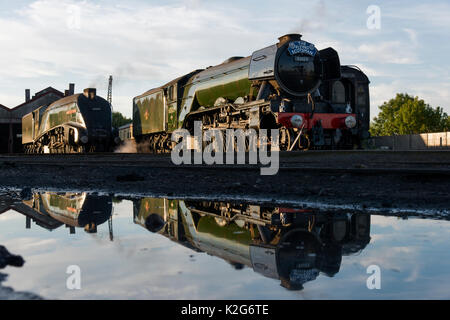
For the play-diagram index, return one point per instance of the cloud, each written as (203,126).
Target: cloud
(144,45)
(429,92)
(316,21)
(394,52)
(141,46)
(427,16)
(412,36)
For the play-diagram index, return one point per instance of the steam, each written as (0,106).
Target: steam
(316,21)
(123,71)
(128,146)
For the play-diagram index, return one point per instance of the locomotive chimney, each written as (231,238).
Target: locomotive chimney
(90,93)
(27,95)
(289,37)
(71,89)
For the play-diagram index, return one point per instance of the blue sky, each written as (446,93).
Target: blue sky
(144,44)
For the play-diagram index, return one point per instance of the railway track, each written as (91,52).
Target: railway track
(381,179)
(355,162)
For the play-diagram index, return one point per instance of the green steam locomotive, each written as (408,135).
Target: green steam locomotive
(291,86)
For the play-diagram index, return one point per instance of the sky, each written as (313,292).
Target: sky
(145,44)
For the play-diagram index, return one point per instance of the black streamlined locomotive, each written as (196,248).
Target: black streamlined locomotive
(73,124)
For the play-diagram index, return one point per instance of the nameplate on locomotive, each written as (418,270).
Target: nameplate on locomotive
(296,47)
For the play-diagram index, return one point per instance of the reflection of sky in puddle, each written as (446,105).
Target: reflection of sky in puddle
(413,256)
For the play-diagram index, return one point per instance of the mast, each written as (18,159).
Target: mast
(110,92)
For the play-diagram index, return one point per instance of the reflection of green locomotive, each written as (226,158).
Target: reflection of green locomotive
(73,209)
(77,123)
(292,245)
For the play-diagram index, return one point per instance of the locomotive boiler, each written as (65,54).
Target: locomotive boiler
(305,93)
(73,124)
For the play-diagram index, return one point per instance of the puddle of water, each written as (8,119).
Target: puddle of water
(156,248)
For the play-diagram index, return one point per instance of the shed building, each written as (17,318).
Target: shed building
(11,119)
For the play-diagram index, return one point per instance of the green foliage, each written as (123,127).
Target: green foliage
(408,115)
(116,200)
(119,120)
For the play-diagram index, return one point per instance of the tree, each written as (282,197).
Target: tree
(407,115)
(119,120)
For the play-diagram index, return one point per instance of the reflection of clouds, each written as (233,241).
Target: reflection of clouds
(380,221)
(392,258)
(123,270)
(410,267)
(153,275)
(414,274)
(32,244)
(8,216)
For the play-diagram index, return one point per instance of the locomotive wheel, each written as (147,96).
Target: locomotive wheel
(215,143)
(286,139)
(163,147)
(304,143)
(251,145)
(166,143)
(264,142)
(155,144)
(236,146)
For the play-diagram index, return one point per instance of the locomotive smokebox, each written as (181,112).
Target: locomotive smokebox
(90,93)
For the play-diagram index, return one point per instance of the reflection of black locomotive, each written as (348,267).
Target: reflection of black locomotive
(72,209)
(292,245)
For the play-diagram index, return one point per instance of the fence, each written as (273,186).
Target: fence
(424,141)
